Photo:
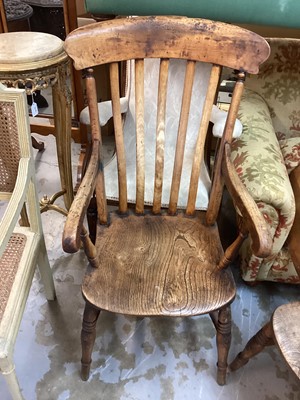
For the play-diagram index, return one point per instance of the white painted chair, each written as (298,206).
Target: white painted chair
(21,247)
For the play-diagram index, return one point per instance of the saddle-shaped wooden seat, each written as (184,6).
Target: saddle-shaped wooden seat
(169,269)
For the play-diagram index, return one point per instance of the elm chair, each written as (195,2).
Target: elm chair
(22,247)
(152,260)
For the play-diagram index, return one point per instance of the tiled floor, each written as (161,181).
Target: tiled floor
(136,359)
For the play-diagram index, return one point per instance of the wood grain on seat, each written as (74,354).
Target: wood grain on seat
(151,265)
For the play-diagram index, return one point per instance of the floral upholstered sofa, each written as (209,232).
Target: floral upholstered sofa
(267,152)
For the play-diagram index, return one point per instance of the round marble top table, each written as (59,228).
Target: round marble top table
(36,61)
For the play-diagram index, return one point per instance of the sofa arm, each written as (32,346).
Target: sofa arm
(258,160)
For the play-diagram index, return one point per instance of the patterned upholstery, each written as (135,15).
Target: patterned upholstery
(267,151)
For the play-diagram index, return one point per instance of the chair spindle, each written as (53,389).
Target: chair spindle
(140,136)
(182,129)
(121,159)
(217,183)
(199,149)
(160,134)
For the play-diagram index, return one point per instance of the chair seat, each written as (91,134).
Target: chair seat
(9,263)
(286,328)
(153,265)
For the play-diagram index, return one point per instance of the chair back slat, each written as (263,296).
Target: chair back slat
(140,136)
(182,129)
(217,183)
(199,149)
(160,134)
(121,159)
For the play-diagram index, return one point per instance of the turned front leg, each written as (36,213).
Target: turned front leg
(88,336)
(223,342)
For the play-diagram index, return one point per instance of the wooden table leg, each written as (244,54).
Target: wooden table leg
(62,100)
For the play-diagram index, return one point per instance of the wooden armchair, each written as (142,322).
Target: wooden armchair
(21,247)
(155,261)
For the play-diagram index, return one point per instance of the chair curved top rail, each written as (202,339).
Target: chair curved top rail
(175,37)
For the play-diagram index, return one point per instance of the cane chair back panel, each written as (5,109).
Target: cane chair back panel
(9,147)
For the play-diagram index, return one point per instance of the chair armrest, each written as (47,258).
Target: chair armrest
(13,210)
(253,220)
(74,222)
(105,111)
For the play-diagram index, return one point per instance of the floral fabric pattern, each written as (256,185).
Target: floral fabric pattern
(290,149)
(278,83)
(267,151)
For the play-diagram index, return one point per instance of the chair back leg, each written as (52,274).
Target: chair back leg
(45,270)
